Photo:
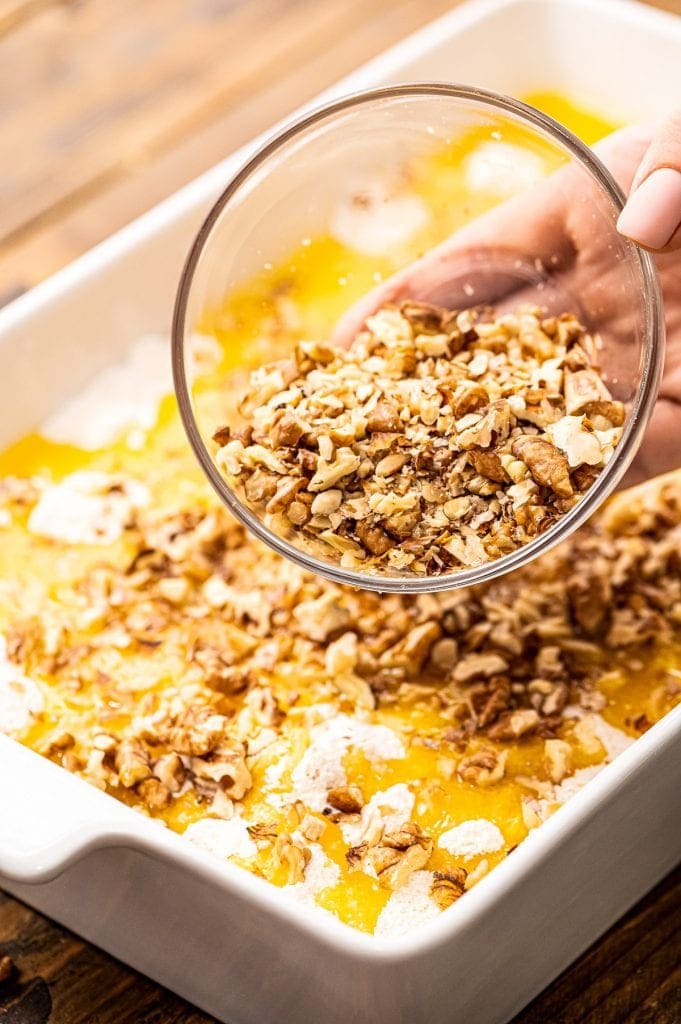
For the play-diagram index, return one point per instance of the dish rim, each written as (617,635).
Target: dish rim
(123,827)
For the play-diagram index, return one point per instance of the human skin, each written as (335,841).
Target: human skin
(557,229)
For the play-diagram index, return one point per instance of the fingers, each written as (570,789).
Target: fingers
(652,215)
(352,321)
(545,233)
(483,262)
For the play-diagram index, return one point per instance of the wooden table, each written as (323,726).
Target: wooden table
(106,107)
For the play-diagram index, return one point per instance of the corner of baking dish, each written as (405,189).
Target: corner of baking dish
(52,819)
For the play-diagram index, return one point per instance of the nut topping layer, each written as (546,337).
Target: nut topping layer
(440,440)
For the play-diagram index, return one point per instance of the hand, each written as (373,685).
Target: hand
(557,229)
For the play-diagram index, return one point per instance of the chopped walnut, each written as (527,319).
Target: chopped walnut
(57,742)
(483,768)
(383,417)
(321,618)
(547,464)
(394,857)
(263,832)
(583,388)
(514,724)
(585,733)
(227,767)
(312,828)
(170,770)
(197,731)
(448,886)
(292,855)
(154,793)
(347,799)
(558,758)
(443,654)
(341,661)
(132,763)
(434,455)
(531,813)
(478,872)
(474,666)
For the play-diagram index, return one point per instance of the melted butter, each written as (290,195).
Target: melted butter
(587,124)
(309,301)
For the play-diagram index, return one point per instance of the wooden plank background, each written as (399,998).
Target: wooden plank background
(631,976)
(107,107)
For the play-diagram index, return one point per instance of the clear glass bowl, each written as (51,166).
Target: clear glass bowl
(353,192)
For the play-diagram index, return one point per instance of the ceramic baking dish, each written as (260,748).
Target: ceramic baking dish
(217,935)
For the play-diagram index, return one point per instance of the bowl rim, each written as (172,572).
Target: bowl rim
(653,355)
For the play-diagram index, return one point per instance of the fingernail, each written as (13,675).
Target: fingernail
(653,211)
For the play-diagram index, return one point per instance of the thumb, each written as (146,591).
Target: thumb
(652,214)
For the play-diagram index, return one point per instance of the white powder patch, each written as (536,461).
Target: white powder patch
(472,838)
(390,808)
(275,771)
(502,168)
(613,739)
(87,507)
(408,907)
(320,873)
(20,698)
(321,767)
(124,396)
(222,838)
(205,353)
(374,219)
(568,787)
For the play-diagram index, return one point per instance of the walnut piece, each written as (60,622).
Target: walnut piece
(347,799)
(483,768)
(292,855)
(448,886)
(394,857)
(547,464)
(170,770)
(263,832)
(558,758)
(132,763)
(514,724)
(154,794)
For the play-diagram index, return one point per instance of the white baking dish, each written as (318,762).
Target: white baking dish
(222,938)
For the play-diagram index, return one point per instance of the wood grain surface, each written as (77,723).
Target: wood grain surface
(109,106)
(106,107)
(631,976)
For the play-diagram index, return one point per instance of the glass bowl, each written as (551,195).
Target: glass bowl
(353,192)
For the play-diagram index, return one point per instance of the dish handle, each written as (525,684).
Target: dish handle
(49,818)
